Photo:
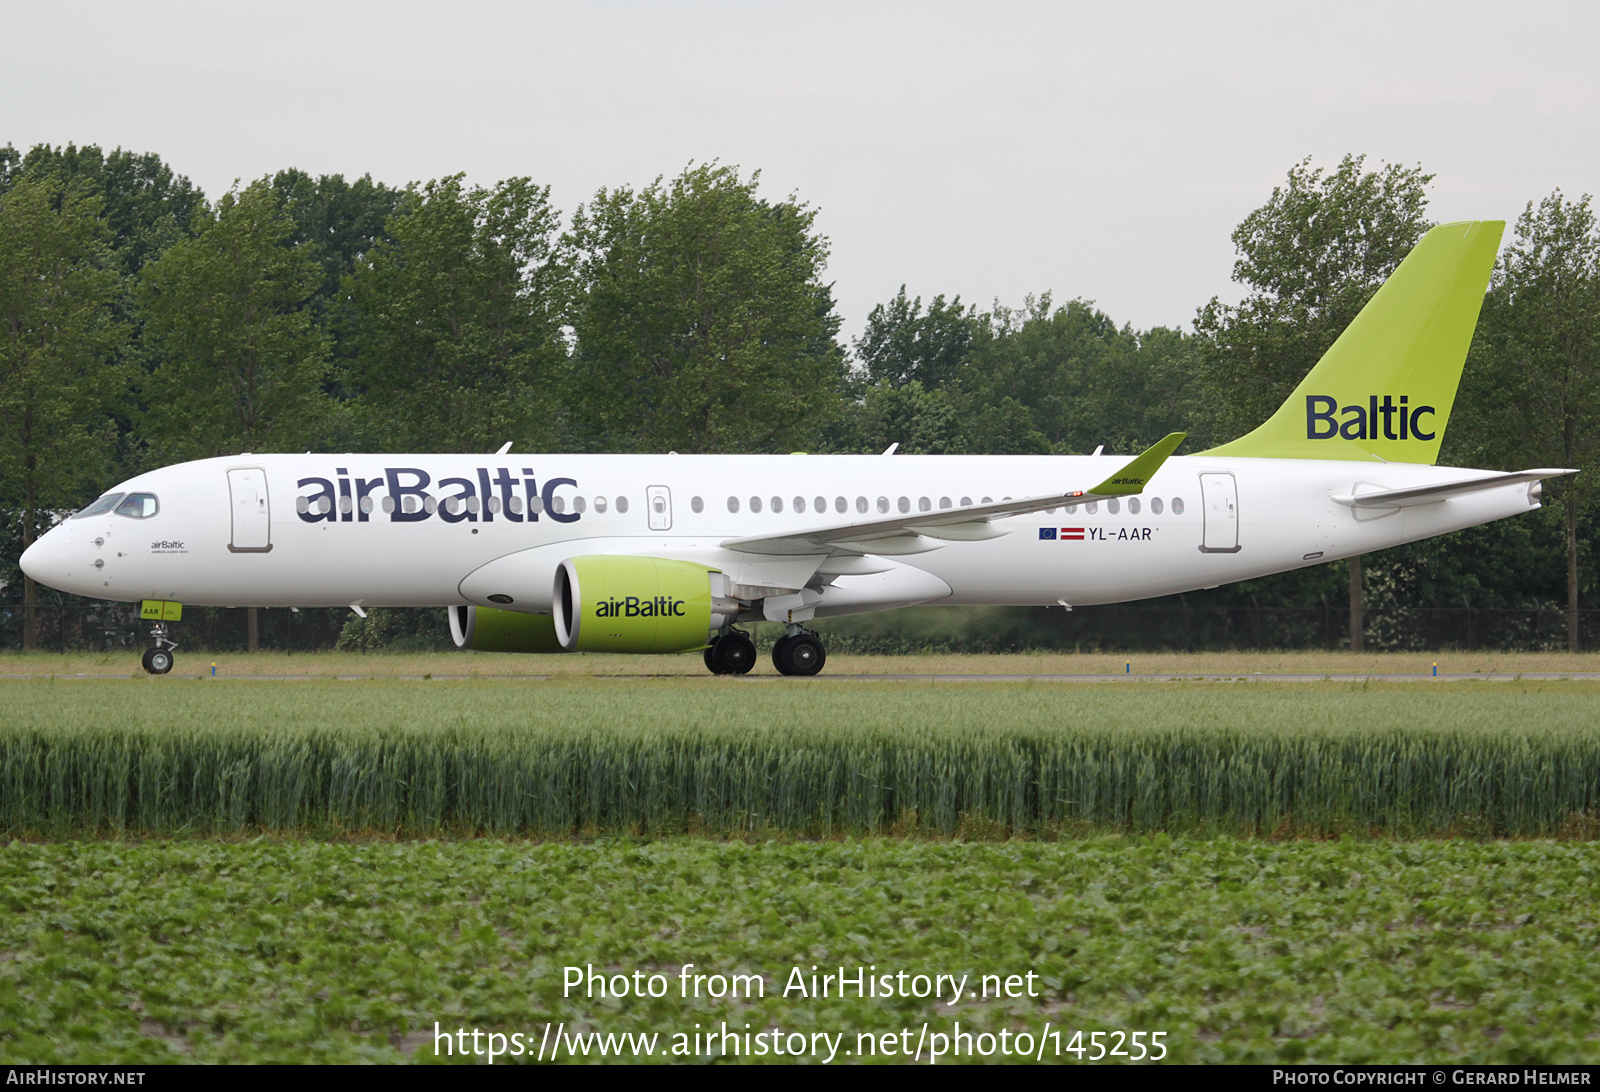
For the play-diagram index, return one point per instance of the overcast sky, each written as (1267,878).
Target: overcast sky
(986,150)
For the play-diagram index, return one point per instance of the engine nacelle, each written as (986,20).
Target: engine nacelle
(484,629)
(624,603)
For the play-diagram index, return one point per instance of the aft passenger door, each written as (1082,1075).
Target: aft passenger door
(1219,504)
(247,495)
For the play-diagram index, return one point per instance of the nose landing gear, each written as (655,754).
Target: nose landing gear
(157,659)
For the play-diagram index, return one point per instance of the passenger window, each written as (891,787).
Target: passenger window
(578,504)
(1133,505)
(1155,505)
(536,505)
(861,504)
(599,504)
(346,505)
(366,504)
(100,507)
(840,504)
(1072,509)
(755,504)
(883,504)
(494,504)
(944,502)
(904,504)
(1177,506)
(558,505)
(138,506)
(924,504)
(966,501)
(799,504)
(988,500)
(777,504)
(733,504)
(622,504)
(388,504)
(821,504)
(473,505)
(696,505)
(1113,506)
(1092,507)
(430,503)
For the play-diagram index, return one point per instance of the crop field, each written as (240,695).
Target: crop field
(1347,951)
(806,758)
(329,870)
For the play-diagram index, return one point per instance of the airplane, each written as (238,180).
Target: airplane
(672,553)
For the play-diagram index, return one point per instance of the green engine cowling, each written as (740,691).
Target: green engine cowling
(484,629)
(623,603)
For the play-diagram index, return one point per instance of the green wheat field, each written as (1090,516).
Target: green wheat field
(325,870)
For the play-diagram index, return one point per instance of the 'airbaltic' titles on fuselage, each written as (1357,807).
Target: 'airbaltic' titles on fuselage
(631,606)
(1398,422)
(401,495)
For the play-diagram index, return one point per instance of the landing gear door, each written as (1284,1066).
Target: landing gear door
(658,501)
(247,498)
(1219,502)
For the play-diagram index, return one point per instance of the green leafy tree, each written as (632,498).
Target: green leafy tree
(1312,257)
(56,337)
(921,421)
(701,321)
(453,320)
(903,344)
(239,361)
(145,205)
(1536,393)
(1082,380)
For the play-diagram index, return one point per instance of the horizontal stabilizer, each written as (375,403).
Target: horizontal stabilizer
(1433,494)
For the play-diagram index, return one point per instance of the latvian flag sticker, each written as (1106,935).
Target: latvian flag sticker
(1068,534)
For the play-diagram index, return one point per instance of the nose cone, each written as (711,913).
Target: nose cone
(47,562)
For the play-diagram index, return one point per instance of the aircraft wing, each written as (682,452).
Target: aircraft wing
(1432,494)
(910,533)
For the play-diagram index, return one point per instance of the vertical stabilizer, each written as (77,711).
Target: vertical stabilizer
(1385,388)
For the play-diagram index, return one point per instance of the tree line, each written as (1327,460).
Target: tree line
(145,324)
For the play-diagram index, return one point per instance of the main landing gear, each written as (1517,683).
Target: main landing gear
(799,652)
(157,659)
(732,653)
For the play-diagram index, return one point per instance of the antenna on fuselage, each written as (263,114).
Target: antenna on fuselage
(505,447)
(890,449)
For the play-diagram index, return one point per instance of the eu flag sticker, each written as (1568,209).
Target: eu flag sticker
(1047,532)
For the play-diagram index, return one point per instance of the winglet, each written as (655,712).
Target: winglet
(1137,474)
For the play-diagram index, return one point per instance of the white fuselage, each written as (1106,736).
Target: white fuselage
(253,530)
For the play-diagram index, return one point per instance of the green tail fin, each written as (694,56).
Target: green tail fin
(1385,388)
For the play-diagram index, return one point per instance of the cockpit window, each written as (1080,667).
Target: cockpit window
(99,507)
(138,506)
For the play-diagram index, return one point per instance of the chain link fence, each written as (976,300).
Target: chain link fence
(1165,625)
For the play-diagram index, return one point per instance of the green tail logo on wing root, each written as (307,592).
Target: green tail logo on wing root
(1385,388)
